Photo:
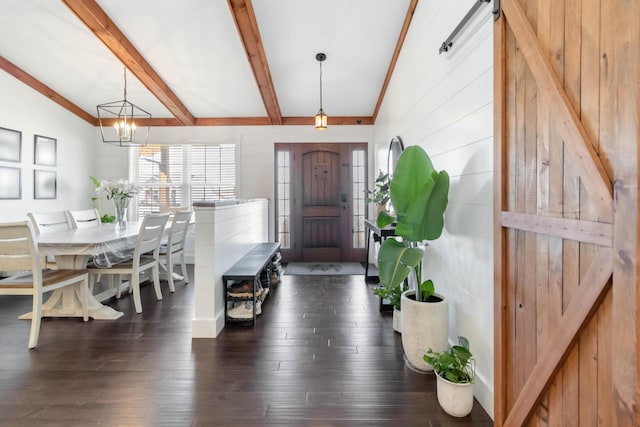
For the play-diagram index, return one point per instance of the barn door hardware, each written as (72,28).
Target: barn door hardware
(446,45)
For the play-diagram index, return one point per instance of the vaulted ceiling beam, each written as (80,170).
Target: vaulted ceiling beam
(89,12)
(245,20)
(392,65)
(45,90)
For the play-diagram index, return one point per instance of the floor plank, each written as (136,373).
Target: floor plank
(321,355)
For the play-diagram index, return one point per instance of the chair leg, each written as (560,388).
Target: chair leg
(156,282)
(36,316)
(92,280)
(116,283)
(169,261)
(184,268)
(84,295)
(134,285)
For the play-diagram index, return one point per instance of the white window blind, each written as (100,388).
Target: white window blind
(160,178)
(213,172)
(171,176)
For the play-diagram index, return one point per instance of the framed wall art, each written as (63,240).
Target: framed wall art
(44,184)
(10,145)
(44,149)
(10,183)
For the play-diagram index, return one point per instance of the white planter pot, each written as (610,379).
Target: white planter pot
(424,325)
(455,399)
(397,320)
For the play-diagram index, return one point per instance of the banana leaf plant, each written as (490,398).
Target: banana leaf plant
(419,195)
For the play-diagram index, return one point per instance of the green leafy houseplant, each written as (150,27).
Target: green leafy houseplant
(391,293)
(380,194)
(419,195)
(103,217)
(454,365)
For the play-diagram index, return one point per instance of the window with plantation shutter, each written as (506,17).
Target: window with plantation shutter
(213,172)
(173,176)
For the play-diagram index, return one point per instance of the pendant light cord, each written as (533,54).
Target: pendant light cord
(320,85)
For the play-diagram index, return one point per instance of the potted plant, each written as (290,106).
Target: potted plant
(419,195)
(103,217)
(455,373)
(393,295)
(380,194)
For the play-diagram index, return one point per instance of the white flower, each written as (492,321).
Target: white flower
(120,190)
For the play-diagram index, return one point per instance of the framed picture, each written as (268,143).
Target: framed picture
(44,184)
(10,145)
(10,183)
(44,150)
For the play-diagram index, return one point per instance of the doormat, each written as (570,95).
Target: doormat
(323,268)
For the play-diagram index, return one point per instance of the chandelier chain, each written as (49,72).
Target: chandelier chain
(125,83)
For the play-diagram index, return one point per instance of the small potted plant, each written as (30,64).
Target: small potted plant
(380,195)
(103,217)
(455,373)
(393,294)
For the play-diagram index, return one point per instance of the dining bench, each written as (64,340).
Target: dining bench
(250,267)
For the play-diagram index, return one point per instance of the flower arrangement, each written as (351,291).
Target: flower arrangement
(120,192)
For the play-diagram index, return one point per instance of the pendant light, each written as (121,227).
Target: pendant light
(123,123)
(321,117)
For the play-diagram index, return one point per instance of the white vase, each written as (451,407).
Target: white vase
(397,320)
(425,325)
(455,399)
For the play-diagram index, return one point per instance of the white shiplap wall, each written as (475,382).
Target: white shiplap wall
(444,103)
(25,110)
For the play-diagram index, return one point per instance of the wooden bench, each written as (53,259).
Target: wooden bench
(250,267)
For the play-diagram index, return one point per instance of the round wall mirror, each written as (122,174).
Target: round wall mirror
(396,147)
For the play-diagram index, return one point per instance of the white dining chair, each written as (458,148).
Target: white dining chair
(145,257)
(19,255)
(46,222)
(85,218)
(172,252)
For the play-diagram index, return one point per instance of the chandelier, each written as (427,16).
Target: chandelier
(123,123)
(321,117)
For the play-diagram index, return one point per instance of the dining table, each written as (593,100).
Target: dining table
(74,249)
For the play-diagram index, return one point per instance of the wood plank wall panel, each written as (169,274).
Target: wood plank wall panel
(541,416)
(555,54)
(619,115)
(592,47)
(510,153)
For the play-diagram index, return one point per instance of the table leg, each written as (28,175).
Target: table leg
(67,302)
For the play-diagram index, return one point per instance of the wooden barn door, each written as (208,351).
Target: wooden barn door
(566,221)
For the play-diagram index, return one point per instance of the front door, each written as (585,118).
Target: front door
(322,225)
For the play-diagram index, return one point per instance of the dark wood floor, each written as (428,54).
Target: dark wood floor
(321,355)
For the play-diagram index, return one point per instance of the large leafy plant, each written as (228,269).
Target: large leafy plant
(455,365)
(419,195)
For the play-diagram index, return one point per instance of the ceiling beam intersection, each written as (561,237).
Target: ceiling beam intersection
(92,15)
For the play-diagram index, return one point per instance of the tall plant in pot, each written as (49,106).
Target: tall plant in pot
(419,195)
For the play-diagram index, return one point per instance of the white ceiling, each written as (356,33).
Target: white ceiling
(195,47)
